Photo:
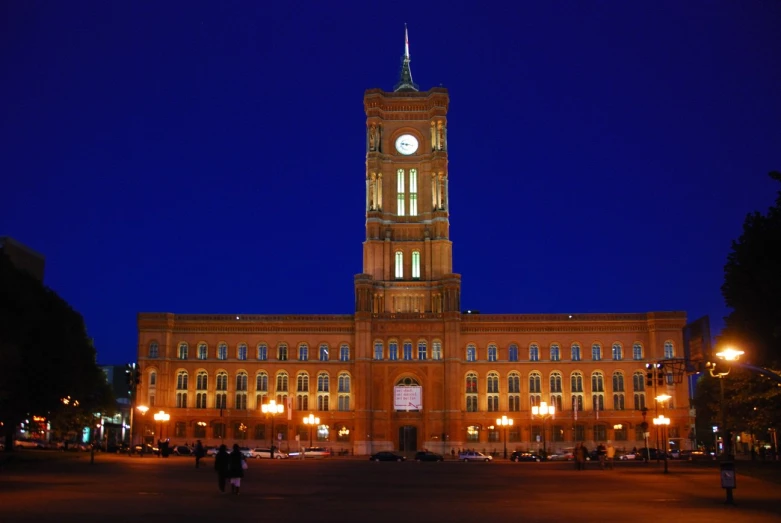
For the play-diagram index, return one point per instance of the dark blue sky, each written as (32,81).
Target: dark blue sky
(209,157)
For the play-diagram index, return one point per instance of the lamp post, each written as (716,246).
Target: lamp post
(161,417)
(662,422)
(143,409)
(312,421)
(271,408)
(544,411)
(505,423)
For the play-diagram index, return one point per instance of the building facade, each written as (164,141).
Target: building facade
(409,369)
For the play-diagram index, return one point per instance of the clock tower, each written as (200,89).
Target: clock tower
(407,254)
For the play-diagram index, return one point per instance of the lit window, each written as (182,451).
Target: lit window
(637,351)
(344,353)
(471,353)
(422,350)
(303,353)
(512,352)
(399,265)
(575,351)
(415,264)
(555,352)
(596,352)
(492,350)
(182,354)
(323,352)
(400,192)
(203,351)
(534,352)
(222,352)
(241,352)
(262,352)
(618,352)
(413,193)
(153,349)
(669,350)
(436,350)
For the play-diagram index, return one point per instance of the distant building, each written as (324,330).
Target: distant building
(115,430)
(23,257)
(411,368)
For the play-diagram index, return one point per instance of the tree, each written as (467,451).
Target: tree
(752,287)
(45,352)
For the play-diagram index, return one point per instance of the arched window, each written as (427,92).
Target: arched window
(576,381)
(555,352)
(471,392)
(471,353)
(344,382)
(152,380)
(221,396)
(241,352)
(241,381)
(597,382)
(262,352)
(637,351)
(393,350)
(408,350)
(618,381)
(575,352)
(512,352)
(413,192)
(322,353)
(303,352)
(241,390)
(344,352)
(302,382)
(378,350)
(261,388)
(596,352)
(181,389)
(399,266)
(618,352)
(344,392)
(514,389)
(203,351)
(323,382)
(201,380)
(492,352)
(416,264)
(492,383)
(222,351)
(282,352)
(669,350)
(555,381)
(153,349)
(638,381)
(422,350)
(182,353)
(534,352)
(302,401)
(400,192)
(535,382)
(436,350)
(282,381)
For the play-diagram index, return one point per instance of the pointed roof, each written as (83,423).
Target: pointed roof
(405,79)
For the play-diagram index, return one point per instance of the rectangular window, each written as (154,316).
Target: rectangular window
(344,353)
(262,352)
(399,265)
(514,403)
(408,350)
(400,192)
(471,403)
(378,350)
(600,432)
(393,351)
(422,351)
(557,433)
(242,353)
(303,353)
(323,352)
(413,192)
(493,403)
(203,352)
(436,351)
(219,430)
(415,264)
(180,429)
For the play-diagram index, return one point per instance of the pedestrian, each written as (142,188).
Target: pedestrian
(199,453)
(611,455)
(236,466)
(453,453)
(601,455)
(221,465)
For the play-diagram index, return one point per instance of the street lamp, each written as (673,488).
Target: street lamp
(312,421)
(271,408)
(544,411)
(663,422)
(505,423)
(143,409)
(728,354)
(161,417)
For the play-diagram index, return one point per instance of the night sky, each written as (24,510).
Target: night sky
(208,157)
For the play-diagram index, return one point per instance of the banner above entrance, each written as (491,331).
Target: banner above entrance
(408,398)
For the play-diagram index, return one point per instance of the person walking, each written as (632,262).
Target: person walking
(222,465)
(610,454)
(199,453)
(236,466)
(601,455)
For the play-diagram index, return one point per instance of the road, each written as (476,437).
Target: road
(149,490)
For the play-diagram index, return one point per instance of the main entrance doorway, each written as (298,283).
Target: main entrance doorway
(408,438)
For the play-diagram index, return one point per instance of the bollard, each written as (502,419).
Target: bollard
(728,480)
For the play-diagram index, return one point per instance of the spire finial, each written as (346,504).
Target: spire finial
(405,80)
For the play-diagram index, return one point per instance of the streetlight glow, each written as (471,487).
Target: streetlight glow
(730,354)
(504,422)
(311,420)
(273,409)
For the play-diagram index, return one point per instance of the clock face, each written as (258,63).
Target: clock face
(406,144)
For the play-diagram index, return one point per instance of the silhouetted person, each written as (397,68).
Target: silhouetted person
(221,465)
(199,453)
(236,466)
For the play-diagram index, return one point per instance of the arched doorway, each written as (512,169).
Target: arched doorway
(408,438)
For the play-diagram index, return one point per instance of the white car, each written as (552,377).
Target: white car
(473,455)
(312,452)
(265,453)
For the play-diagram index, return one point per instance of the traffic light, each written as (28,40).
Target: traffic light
(138,378)
(129,374)
(649,375)
(660,374)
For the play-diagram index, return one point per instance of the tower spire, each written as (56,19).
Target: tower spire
(405,79)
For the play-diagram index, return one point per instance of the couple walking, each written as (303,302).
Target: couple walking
(230,466)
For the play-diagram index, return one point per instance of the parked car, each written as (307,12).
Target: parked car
(473,455)
(265,453)
(245,451)
(386,455)
(312,452)
(148,449)
(566,454)
(182,450)
(211,451)
(425,455)
(525,456)
(28,444)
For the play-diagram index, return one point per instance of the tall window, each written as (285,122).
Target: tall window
(638,381)
(407,350)
(492,350)
(576,381)
(596,352)
(575,352)
(344,382)
(399,268)
(639,398)
(577,402)
(512,352)
(535,382)
(222,352)
(181,389)
(413,193)
(303,352)
(597,382)
(534,352)
(378,350)
(618,381)
(344,353)
(416,264)
(201,380)
(344,392)
(182,353)
(492,383)
(153,349)
(241,352)
(302,382)
(555,352)
(282,352)
(471,392)
(471,353)
(514,389)
(555,382)
(322,402)
(261,388)
(302,401)
(323,382)
(203,351)
(669,350)
(637,351)
(241,390)
(282,380)
(400,192)
(393,350)
(221,396)
(262,352)
(422,350)
(618,352)
(152,379)
(618,401)
(556,401)
(436,350)
(323,352)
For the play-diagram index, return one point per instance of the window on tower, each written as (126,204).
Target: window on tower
(415,264)
(400,192)
(399,265)
(413,192)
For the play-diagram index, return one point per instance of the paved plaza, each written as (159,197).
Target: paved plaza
(147,490)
